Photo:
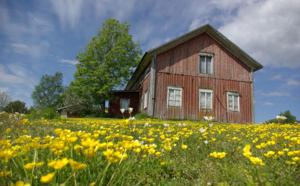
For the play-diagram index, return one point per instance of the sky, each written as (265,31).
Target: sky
(43,37)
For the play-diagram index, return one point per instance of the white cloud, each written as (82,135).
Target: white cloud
(72,62)
(268,31)
(18,76)
(293,82)
(277,77)
(33,51)
(272,94)
(266,103)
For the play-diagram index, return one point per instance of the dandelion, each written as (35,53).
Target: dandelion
(184,147)
(4,173)
(206,142)
(47,178)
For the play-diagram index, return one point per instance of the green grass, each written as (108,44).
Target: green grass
(192,166)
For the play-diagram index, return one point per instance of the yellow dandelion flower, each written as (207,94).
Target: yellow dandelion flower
(4,173)
(47,178)
(30,165)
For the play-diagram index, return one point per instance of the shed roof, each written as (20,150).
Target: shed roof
(220,38)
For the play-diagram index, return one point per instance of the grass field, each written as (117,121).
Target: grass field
(146,152)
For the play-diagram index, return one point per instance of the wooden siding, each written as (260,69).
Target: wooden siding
(179,66)
(190,98)
(184,59)
(143,87)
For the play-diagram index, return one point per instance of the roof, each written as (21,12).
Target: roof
(220,38)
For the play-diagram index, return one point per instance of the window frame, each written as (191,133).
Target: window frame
(211,101)
(141,102)
(146,99)
(121,103)
(206,54)
(168,93)
(230,93)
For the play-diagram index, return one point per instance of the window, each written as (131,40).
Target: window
(205,98)
(141,102)
(147,71)
(233,103)
(124,103)
(174,96)
(146,99)
(206,63)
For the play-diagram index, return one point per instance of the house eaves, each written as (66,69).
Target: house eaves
(220,38)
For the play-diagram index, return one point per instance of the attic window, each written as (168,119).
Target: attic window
(206,63)
(148,71)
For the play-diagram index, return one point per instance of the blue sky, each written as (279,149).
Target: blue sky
(43,37)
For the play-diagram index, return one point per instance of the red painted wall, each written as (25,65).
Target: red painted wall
(114,105)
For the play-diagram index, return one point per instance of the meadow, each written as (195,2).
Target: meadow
(146,152)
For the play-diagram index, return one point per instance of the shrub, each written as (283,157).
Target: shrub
(141,116)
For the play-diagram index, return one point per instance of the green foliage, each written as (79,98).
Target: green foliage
(106,63)
(47,113)
(141,116)
(16,106)
(48,92)
(74,102)
(289,118)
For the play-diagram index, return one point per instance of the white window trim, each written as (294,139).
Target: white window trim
(234,94)
(146,99)
(128,103)
(174,88)
(208,91)
(206,54)
(141,102)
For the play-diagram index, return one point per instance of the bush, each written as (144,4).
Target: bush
(141,116)
(48,113)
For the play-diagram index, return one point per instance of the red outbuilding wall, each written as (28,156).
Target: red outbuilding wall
(114,105)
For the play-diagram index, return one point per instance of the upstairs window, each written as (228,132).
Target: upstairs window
(174,96)
(205,98)
(124,103)
(206,63)
(233,102)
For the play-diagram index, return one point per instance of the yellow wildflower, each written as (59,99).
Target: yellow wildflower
(183,147)
(29,165)
(4,173)
(47,178)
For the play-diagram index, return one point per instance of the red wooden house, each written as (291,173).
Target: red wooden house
(199,73)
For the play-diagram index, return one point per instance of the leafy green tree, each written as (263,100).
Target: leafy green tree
(74,102)
(5,99)
(289,118)
(16,106)
(48,92)
(107,63)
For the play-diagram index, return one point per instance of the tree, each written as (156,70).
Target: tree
(74,102)
(289,118)
(106,63)
(48,92)
(16,106)
(5,99)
